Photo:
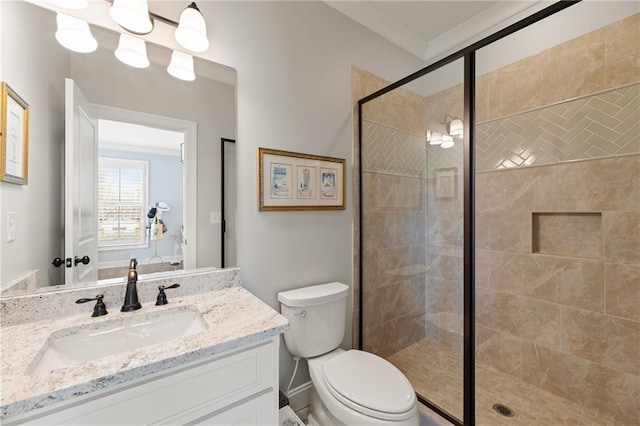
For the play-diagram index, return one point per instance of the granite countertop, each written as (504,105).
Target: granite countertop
(234,317)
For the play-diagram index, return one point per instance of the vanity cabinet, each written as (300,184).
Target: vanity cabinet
(239,386)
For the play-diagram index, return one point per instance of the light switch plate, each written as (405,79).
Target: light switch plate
(11,226)
(216,217)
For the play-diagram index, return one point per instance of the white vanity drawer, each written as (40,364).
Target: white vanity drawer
(183,394)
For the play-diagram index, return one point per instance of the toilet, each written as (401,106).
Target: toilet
(349,387)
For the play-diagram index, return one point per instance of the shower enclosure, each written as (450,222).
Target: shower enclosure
(499,223)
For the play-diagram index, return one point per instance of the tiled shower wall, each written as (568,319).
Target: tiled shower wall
(557,222)
(558,245)
(394,203)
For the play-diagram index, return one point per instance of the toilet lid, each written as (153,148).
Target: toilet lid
(370,385)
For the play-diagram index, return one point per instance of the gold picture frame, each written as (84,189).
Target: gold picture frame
(296,181)
(14,137)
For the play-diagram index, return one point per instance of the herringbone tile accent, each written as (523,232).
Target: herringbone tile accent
(392,151)
(602,125)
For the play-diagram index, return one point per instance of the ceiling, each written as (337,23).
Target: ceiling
(430,28)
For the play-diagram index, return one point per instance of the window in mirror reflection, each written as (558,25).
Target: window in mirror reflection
(122,201)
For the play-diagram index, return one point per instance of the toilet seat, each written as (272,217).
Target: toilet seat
(369,385)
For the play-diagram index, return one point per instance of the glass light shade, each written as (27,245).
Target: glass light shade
(436,138)
(181,66)
(70,4)
(447,141)
(456,128)
(132,51)
(192,30)
(74,34)
(132,15)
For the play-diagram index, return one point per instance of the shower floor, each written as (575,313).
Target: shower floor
(439,378)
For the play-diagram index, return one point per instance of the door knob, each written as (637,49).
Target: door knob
(84,260)
(57,262)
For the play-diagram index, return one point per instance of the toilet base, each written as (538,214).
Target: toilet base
(319,415)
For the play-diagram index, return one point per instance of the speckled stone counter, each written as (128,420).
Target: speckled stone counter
(234,317)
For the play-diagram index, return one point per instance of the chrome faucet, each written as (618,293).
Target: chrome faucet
(131,302)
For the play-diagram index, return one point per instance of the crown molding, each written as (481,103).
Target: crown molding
(375,20)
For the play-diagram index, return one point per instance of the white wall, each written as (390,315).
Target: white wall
(294,93)
(27,58)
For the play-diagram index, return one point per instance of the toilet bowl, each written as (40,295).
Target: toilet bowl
(359,388)
(349,387)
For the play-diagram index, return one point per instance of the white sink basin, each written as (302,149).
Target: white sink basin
(69,347)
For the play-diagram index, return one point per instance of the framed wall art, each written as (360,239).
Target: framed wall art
(295,181)
(446,183)
(14,136)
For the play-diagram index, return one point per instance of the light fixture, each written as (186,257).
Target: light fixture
(70,4)
(447,141)
(132,15)
(132,51)
(436,138)
(74,34)
(192,30)
(456,128)
(181,66)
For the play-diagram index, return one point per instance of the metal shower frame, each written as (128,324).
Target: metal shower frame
(469,55)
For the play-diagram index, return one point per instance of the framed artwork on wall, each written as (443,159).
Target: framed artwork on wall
(296,181)
(14,136)
(446,183)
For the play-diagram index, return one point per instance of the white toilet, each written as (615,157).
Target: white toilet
(349,387)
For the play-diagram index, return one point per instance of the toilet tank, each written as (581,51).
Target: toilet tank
(317,318)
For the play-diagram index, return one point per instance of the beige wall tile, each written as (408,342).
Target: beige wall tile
(388,338)
(597,185)
(622,237)
(443,295)
(623,291)
(499,350)
(393,301)
(504,230)
(529,319)
(519,274)
(445,266)
(581,283)
(527,189)
(568,234)
(612,342)
(622,55)
(585,382)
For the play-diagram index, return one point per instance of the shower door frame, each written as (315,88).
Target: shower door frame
(468,54)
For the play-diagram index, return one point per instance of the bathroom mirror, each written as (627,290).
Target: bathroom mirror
(136,109)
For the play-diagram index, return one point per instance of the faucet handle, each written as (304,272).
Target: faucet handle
(162,297)
(99,309)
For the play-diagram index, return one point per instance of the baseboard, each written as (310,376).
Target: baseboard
(300,396)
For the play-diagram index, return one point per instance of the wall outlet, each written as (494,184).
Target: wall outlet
(11,226)
(216,217)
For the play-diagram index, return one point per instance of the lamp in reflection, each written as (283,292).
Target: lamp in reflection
(181,66)
(74,34)
(447,141)
(436,138)
(453,128)
(192,30)
(132,51)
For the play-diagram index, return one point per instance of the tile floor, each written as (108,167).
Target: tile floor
(435,371)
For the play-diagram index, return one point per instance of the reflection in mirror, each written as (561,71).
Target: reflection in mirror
(134,105)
